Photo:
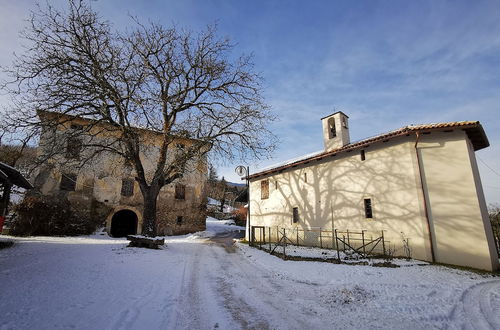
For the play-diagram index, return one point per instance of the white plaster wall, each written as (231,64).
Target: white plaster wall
(335,189)
(457,208)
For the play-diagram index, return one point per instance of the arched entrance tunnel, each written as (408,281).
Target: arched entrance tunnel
(124,223)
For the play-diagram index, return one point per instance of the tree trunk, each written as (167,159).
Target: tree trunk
(223,198)
(149,213)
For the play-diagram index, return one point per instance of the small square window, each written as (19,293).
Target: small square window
(180,149)
(264,189)
(180,191)
(179,219)
(368,208)
(127,187)
(68,182)
(73,148)
(295,214)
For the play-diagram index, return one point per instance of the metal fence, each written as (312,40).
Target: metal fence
(364,243)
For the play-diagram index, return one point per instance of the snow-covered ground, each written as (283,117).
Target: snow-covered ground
(325,254)
(95,282)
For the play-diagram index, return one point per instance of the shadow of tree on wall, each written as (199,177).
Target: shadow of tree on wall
(332,196)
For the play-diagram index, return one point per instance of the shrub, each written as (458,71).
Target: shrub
(49,216)
(240,216)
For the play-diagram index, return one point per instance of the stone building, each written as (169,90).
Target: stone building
(420,185)
(105,188)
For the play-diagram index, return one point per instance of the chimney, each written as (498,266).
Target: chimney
(335,130)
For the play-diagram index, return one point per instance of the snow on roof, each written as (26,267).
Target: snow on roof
(290,161)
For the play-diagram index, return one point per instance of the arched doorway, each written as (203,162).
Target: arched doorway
(123,223)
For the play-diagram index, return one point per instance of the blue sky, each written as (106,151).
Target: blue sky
(386,64)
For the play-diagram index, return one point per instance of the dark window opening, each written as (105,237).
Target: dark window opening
(73,147)
(295,218)
(179,219)
(305,177)
(127,187)
(76,127)
(344,122)
(368,208)
(363,156)
(180,191)
(180,149)
(276,185)
(264,189)
(68,182)
(331,128)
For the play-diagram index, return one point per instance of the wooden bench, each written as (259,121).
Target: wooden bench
(146,242)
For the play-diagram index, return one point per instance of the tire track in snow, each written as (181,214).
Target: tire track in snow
(475,309)
(196,305)
(249,312)
(188,295)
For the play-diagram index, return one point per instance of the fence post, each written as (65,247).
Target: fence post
(343,241)
(260,238)
(298,237)
(383,242)
(269,238)
(284,243)
(333,240)
(337,245)
(320,239)
(348,239)
(363,238)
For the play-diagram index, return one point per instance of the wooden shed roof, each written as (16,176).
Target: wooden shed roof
(13,176)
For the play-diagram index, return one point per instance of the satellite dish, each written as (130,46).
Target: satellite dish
(241,170)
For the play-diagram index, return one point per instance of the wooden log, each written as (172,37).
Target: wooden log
(147,242)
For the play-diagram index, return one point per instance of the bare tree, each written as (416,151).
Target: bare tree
(167,80)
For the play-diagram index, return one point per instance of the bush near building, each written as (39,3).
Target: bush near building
(40,215)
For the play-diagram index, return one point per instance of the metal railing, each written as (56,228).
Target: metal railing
(363,243)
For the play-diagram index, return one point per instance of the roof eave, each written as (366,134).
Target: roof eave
(474,131)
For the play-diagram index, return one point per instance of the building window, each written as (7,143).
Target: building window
(127,187)
(76,127)
(344,122)
(295,218)
(179,219)
(180,149)
(368,208)
(68,182)
(73,147)
(331,128)
(264,189)
(276,184)
(363,157)
(180,191)
(305,177)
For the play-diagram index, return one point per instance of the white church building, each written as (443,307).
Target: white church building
(419,184)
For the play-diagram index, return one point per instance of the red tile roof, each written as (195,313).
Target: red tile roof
(473,129)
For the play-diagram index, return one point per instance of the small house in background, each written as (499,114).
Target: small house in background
(9,177)
(418,185)
(105,187)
